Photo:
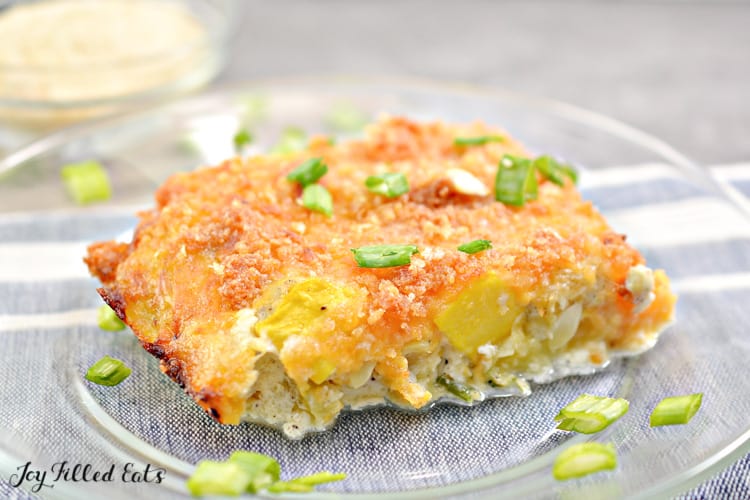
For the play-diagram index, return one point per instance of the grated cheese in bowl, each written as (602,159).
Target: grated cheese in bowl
(67,60)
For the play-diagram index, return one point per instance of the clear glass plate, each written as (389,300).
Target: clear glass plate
(669,208)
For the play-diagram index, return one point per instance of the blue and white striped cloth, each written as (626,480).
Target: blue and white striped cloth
(48,325)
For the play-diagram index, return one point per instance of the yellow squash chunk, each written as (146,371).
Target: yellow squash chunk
(482,313)
(308,308)
(322,369)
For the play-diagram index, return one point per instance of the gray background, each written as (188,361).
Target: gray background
(677,69)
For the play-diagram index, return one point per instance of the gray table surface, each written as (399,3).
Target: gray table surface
(679,70)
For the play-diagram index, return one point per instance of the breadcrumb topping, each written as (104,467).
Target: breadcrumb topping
(246,239)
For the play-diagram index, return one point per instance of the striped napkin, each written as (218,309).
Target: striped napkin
(48,303)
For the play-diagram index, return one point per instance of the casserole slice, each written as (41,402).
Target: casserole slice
(245,286)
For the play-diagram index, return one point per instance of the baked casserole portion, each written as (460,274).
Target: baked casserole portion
(256,306)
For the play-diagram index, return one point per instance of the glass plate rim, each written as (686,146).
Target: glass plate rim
(674,485)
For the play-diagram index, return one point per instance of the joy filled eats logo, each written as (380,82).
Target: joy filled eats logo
(36,479)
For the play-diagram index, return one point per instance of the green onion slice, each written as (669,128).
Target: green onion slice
(108,320)
(289,487)
(477,141)
(292,139)
(515,182)
(583,459)
(346,117)
(250,472)
(262,469)
(218,478)
(317,198)
(568,170)
(107,371)
(308,172)
(241,139)
(253,107)
(86,182)
(554,170)
(377,256)
(390,184)
(475,246)
(457,389)
(306,483)
(676,410)
(589,414)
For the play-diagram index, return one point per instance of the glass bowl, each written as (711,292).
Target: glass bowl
(669,208)
(38,96)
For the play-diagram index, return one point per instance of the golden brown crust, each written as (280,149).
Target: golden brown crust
(219,236)
(103,259)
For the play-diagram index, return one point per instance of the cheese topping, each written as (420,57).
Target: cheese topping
(77,50)
(640,283)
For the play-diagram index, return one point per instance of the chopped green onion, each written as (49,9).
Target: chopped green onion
(108,371)
(250,472)
(457,389)
(548,168)
(555,171)
(317,198)
(241,139)
(475,246)
(308,172)
(108,320)
(262,469)
(319,478)
(589,414)
(477,141)
(377,256)
(346,117)
(571,172)
(583,459)
(676,410)
(390,184)
(86,182)
(306,483)
(253,107)
(289,487)
(218,478)
(515,182)
(292,139)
